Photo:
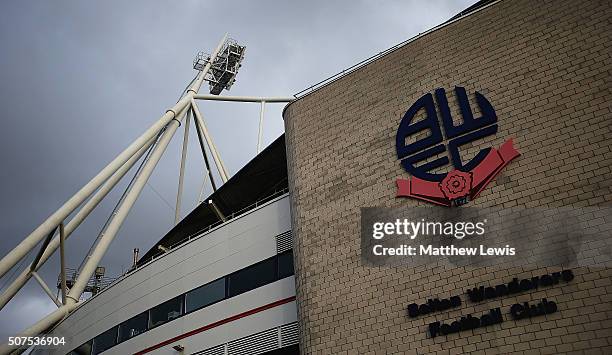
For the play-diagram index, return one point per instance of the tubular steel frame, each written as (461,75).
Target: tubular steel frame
(97,189)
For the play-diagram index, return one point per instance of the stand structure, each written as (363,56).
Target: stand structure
(219,69)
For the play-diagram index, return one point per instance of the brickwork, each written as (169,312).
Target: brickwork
(546,68)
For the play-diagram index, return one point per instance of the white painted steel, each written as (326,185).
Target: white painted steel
(240,242)
(217,210)
(63,287)
(243,98)
(211,145)
(193,90)
(179,193)
(58,216)
(69,206)
(78,218)
(45,288)
(262,110)
(27,244)
(201,194)
(42,325)
(121,213)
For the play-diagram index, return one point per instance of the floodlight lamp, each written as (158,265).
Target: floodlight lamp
(223,68)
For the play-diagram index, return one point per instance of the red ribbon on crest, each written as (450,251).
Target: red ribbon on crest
(458,184)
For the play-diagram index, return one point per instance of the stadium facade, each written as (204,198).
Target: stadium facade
(283,272)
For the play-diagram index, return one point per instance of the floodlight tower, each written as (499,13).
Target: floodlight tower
(223,69)
(219,69)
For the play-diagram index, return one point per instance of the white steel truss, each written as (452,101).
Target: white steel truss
(155,140)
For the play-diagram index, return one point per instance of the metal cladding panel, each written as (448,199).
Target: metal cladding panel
(236,329)
(252,253)
(284,242)
(217,350)
(242,241)
(260,178)
(290,334)
(271,339)
(255,344)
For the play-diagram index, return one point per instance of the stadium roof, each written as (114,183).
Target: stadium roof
(263,178)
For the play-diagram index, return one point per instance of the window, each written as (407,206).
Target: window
(252,277)
(285,264)
(133,326)
(105,341)
(84,349)
(166,311)
(205,295)
(241,281)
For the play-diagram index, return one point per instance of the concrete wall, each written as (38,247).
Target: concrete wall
(545,66)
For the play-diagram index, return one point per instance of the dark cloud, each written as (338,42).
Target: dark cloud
(79,80)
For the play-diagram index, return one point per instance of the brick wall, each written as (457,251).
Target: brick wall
(546,68)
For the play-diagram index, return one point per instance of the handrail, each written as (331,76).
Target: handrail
(210,227)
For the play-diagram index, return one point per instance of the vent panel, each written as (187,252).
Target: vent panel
(284,242)
(259,343)
(289,334)
(255,344)
(217,350)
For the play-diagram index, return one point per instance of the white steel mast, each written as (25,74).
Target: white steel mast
(219,70)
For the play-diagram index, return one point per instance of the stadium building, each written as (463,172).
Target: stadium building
(273,263)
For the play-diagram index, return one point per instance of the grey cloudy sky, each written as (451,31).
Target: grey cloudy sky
(79,80)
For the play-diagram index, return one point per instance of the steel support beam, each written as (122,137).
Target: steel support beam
(217,210)
(78,218)
(44,245)
(58,216)
(169,121)
(206,163)
(42,325)
(46,288)
(63,262)
(93,260)
(77,199)
(135,190)
(211,145)
(179,194)
(243,98)
(201,194)
(262,110)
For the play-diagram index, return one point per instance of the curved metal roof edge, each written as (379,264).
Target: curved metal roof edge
(130,272)
(274,150)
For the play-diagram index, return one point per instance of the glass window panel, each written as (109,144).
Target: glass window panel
(252,277)
(84,349)
(166,311)
(285,264)
(205,295)
(105,341)
(133,326)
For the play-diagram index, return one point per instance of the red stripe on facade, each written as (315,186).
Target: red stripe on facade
(217,323)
